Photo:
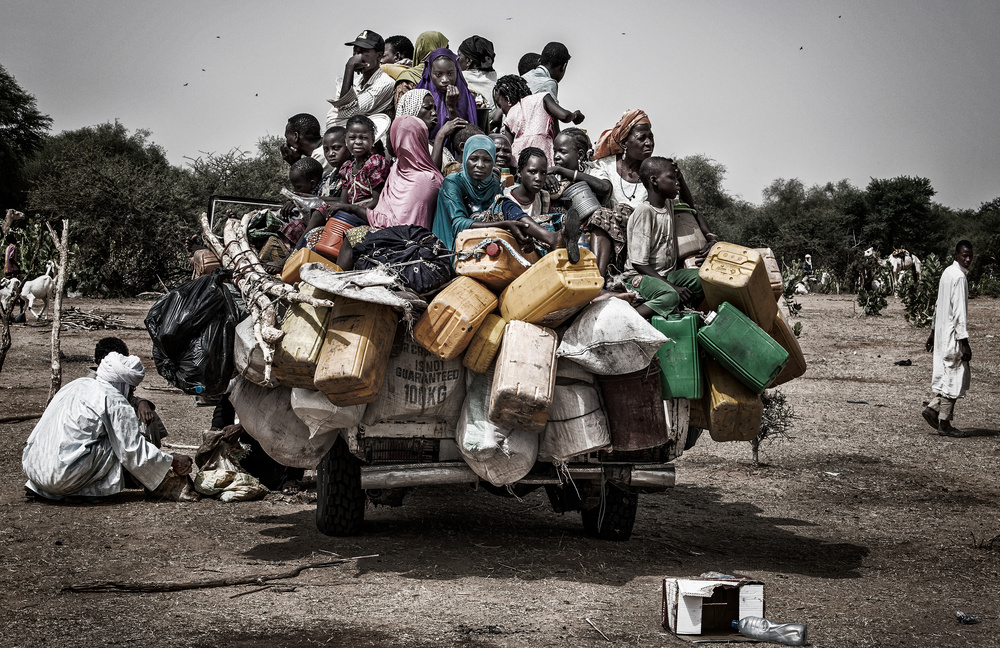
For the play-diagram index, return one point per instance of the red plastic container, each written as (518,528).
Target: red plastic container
(332,237)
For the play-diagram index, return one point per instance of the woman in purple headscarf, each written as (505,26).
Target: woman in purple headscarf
(443,79)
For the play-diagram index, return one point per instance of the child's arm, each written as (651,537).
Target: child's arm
(599,186)
(559,113)
(446,131)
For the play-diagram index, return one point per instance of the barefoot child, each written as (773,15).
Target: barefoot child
(529,118)
(652,246)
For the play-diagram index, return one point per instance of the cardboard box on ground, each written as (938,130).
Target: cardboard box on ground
(705,607)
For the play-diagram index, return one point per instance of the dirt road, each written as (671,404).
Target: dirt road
(862,527)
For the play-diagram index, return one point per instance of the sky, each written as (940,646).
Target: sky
(819,90)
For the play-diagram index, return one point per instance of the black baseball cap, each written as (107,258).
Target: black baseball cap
(368,40)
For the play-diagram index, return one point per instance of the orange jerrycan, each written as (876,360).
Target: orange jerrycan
(304,328)
(491,264)
(524,380)
(351,365)
(290,271)
(734,412)
(736,274)
(485,344)
(553,289)
(453,317)
(782,334)
(773,272)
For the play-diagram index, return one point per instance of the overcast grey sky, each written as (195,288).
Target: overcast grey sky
(818,91)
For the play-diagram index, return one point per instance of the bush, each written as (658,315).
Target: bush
(872,301)
(776,422)
(920,295)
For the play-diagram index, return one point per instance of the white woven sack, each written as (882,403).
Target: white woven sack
(497,454)
(267,416)
(577,424)
(609,337)
(320,415)
(419,385)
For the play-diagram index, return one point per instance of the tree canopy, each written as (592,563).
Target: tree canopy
(22,129)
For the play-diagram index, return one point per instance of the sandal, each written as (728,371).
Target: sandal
(931,417)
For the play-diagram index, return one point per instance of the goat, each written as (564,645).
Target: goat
(40,288)
(9,287)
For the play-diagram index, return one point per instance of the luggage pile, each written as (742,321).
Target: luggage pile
(512,362)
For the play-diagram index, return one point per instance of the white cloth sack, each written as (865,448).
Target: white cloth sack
(609,337)
(577,424)
(320,415)
(499,455)
(419,385)
(267,416)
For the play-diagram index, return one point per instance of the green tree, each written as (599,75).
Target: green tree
(22,129)
(240,173)
(900,215)
(129,208)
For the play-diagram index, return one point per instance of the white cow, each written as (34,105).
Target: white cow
(40,288)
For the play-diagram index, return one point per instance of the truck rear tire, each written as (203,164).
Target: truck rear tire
(616,520)
(340,500)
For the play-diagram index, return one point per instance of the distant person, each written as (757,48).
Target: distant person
(364,89)
(551,69)
(529,118)
(528,62)
(949,339)
(89,437)
(651,269)
(303,138)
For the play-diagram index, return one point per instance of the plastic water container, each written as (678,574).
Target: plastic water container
(290,271)
(773,272)
(333,234)
(742,347)
(524,380)
(680,359)
(733,411)
(453,317)
(634,404)
(304,328)
(782,334)
(496,267)
(736,274)
(485,344)
(553,289)
(351,366)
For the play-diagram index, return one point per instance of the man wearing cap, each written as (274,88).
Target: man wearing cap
(89,436)
(364,89)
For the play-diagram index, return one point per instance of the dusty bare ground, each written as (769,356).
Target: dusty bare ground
(861,526)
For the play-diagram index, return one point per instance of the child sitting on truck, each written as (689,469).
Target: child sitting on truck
(651,240)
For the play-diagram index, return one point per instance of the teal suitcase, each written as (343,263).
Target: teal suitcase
(742,347)
(680,365)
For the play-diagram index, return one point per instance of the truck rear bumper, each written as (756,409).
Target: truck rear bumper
(654,477)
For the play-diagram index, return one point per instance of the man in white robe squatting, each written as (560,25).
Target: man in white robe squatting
(89,435)
(949,339)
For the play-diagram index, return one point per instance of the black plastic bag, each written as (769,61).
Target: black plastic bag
(193,328)
(420,259)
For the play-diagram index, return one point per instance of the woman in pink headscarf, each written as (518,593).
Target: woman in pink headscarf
(410,193)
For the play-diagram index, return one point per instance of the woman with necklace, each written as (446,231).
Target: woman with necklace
(618,154)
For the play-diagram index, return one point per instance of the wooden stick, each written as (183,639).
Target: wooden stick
(177,586)
(598,629)
(253,591)
(62,246)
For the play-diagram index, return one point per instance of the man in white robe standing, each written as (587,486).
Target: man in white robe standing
(949,339)
(89,435)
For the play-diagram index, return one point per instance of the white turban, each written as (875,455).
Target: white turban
(121,371)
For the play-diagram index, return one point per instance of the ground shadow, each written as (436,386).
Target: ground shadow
(452,533)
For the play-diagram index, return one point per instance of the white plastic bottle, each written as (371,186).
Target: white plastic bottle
(305,203)
(790,634)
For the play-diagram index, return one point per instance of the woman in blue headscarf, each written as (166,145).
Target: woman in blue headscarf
(472,198)
(442,77)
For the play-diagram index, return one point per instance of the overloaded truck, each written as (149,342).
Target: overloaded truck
(517,371)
